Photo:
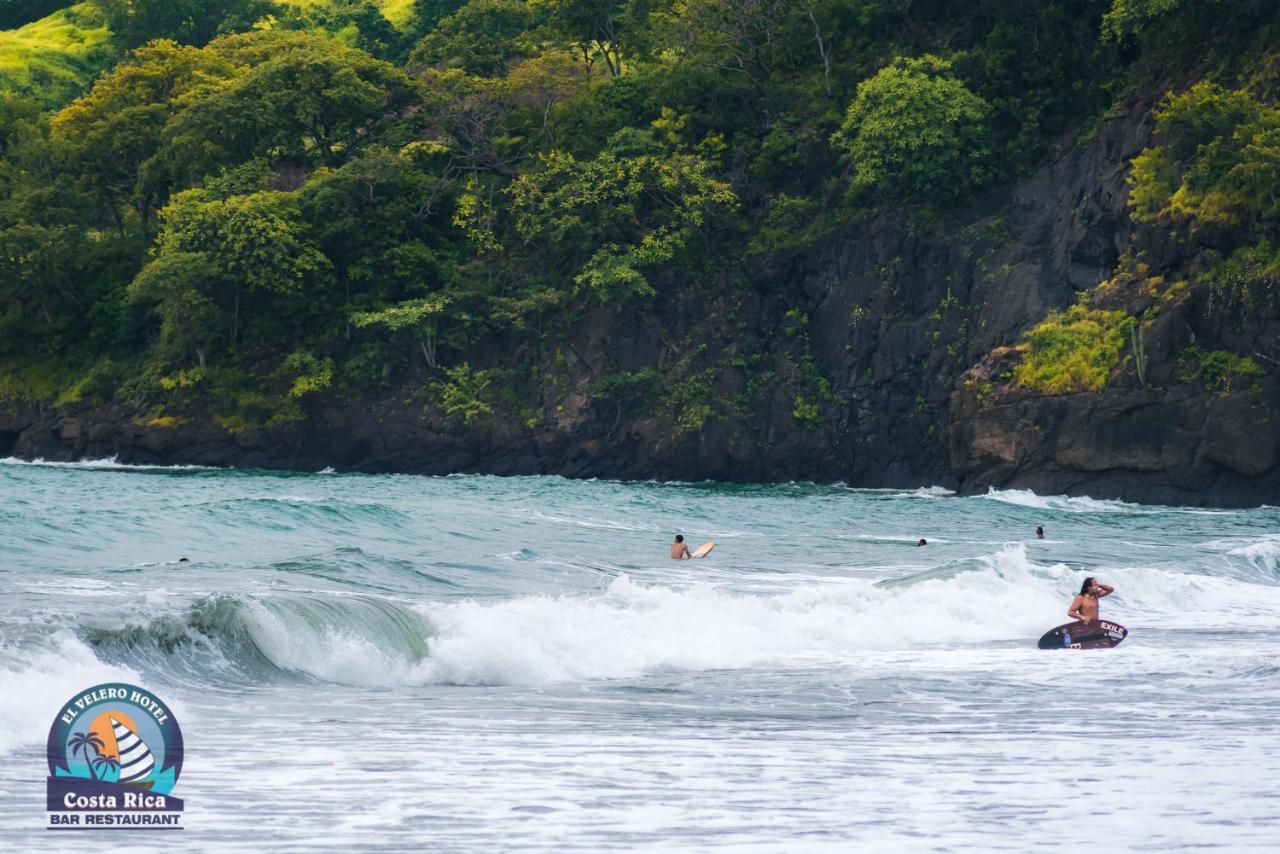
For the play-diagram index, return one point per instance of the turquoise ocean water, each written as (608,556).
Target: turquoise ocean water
(478,663)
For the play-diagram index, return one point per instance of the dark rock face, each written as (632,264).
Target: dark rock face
(1183,448)
(908,324)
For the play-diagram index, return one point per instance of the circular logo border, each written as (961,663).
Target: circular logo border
(61,729)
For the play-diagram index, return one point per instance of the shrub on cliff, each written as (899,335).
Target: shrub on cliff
(1174,23)
(915,132)
(1072,351)
(1217,162)
(1219,370)
(1247,281)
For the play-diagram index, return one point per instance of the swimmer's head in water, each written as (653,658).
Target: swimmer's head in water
(679,538)
(922,543)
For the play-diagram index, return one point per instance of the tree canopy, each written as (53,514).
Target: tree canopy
(272,196)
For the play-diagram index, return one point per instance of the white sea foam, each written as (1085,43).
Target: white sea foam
(605,524)
(35,682)
(1085,504)
(929,492)
(1069,503)
(103,464)
(1263,554)
(632,629)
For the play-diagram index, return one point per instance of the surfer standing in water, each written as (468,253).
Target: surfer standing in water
(1085,606)
(679,551)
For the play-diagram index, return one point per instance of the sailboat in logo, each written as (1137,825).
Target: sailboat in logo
(136,761)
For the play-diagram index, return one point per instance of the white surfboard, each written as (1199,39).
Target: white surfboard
(703,550)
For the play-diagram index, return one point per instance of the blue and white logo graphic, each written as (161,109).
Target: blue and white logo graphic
(115,753)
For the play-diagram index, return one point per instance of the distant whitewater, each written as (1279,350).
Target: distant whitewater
(523,647)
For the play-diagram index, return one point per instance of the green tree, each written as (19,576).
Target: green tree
(305,97)
(420,318)
(465,393)
(113,136)
(196,22)
(379,219)
(1134,17)
(481,38)
(467,118)
(249,256)
(739,36)
(916,132)
(599,30)
(546,81)
(630,394)
(355,23)
(35,268)
(612,217)
(1148,20)
(15,109)
(183,287)
(428,13)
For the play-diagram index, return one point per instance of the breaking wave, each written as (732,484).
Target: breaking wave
(627,629)
(347,639)
(1068,503)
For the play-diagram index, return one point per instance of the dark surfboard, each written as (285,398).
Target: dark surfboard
(1100,634)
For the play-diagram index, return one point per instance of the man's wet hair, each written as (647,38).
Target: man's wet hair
(679,538)
(1088,582)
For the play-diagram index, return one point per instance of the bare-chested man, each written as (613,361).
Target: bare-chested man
(679,551)
(1085,606)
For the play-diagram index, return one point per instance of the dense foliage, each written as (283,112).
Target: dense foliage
(915,131)
(1074,350)
(240,203)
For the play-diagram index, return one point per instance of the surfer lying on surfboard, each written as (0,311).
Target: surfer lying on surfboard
(1085,606)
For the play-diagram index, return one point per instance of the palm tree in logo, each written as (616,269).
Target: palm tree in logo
(81,742)
(110,763)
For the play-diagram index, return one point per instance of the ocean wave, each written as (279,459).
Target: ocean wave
(1085,504)
(1068,503)
(37,678)
(605,524)
(103,464)
(350,640)
(628,629)
(928,492)
(1264,554)
(632,629)
(285,512)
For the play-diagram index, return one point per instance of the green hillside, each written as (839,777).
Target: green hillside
(52,60)
(263,209)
